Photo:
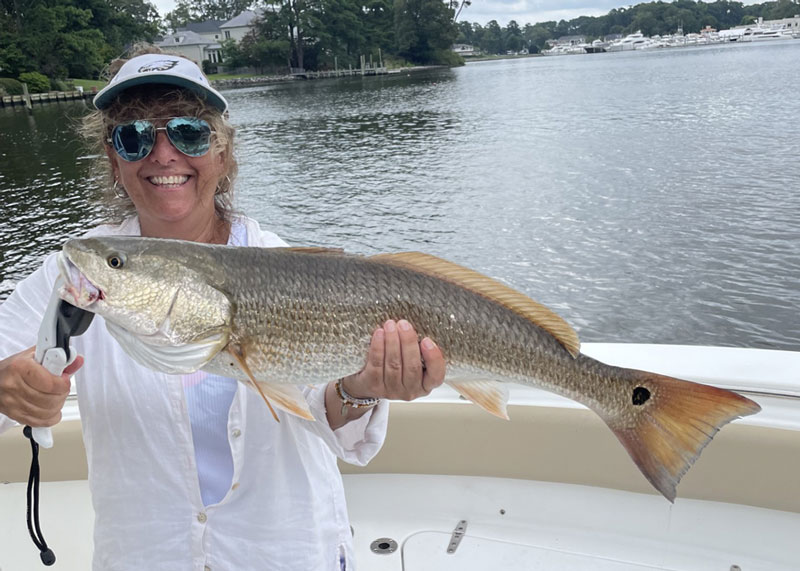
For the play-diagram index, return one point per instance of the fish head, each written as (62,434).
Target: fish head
(161,291)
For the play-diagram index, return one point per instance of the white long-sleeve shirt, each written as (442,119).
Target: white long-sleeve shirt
(285,509)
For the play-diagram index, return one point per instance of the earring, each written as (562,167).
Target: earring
(119,190)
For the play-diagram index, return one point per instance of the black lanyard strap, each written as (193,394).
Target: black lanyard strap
(47,555)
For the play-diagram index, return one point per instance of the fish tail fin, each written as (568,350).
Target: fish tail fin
(670,421)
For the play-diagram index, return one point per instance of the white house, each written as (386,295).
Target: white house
(208,30)
(201,41)
(239,26)
(193,46)
(464,50)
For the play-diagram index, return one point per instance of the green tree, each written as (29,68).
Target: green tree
(512,37)
(222,9)
(492,41)
(781,9)
(423,28)
(187,11)
(61,38)
(340,33)
(184,13)
(378,16)
(537,35)
(651,18)
(37,83)
(233,54)
(466,34)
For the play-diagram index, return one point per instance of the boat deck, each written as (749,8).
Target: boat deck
(511,525)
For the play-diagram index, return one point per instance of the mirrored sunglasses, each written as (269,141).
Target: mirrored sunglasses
(133,141)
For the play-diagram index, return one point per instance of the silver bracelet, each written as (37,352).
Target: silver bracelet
(351,401)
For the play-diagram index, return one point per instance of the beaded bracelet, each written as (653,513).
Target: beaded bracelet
(351,401)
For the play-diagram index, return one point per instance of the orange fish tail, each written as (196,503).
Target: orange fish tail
(668,422)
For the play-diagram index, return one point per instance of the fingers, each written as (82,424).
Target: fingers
(434,365)
(393,361)
(416,376)
(412,360)
(29,393)
(73,367)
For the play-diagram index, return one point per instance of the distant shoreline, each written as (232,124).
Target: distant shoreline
(494,57)
(241,82)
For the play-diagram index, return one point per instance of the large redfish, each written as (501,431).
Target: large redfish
(277,318)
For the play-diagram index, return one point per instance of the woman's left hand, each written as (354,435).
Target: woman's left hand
(398,367)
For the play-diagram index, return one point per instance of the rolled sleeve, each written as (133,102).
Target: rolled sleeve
(358,441)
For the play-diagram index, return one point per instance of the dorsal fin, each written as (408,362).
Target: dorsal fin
(515,301)
(316,250)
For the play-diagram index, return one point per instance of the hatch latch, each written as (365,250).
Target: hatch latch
(458,533)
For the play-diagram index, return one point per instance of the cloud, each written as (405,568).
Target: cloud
(164,6)
(533,11)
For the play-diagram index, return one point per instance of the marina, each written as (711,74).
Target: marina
(787,29)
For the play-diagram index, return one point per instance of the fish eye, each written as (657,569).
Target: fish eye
(115,261)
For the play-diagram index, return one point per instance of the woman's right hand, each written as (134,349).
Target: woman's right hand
(29,393)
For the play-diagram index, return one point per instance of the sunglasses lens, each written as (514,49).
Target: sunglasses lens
(133,141)
(190,135)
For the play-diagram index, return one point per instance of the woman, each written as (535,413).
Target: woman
(193,472)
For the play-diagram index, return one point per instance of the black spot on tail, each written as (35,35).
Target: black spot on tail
(640,396)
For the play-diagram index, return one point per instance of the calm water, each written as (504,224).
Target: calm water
(646,197)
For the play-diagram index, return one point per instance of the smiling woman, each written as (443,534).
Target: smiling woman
(167,186)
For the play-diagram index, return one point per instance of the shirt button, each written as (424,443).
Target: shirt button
(202,518)
(206,568)
(236,433)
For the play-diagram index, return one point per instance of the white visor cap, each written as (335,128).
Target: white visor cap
(160,69)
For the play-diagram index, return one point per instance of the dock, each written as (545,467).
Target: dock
(366,68)
(350,72)
(50,97)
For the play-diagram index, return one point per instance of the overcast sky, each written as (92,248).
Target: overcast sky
(523,11)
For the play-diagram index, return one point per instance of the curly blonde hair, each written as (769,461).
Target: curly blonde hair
(156,101)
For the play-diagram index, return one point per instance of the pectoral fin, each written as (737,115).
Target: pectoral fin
(491,396)
(287,397)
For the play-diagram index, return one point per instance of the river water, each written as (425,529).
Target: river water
(646,197)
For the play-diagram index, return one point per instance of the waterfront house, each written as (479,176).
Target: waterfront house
(193,46)
(208,30)
(239,26)
(464,50)
(201,41)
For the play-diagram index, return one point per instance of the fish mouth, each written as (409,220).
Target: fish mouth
(77,288)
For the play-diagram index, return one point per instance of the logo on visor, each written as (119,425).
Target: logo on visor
(160,65)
